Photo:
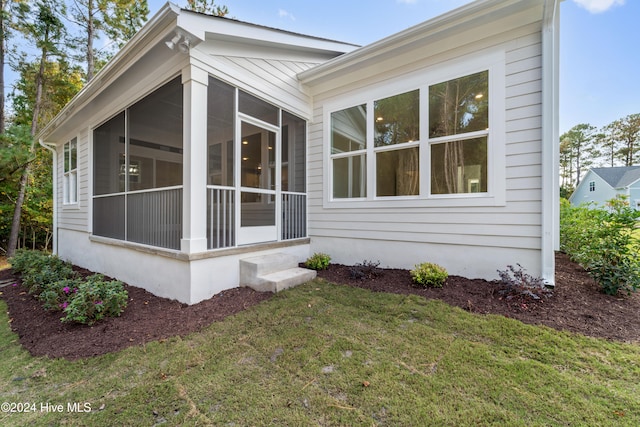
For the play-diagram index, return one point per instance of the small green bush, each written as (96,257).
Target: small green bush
(39,269)
(96,299)
(318,261)
(429,274)
(24,259)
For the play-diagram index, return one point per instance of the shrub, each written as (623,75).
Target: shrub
(96,299)
(39,269)
(516,279)
(366,270)
(57,295)
(318,261)
(603,242)
(23,259)
(429,274)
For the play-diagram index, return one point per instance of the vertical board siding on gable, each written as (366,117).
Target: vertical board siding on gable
(75,217)
(515,225)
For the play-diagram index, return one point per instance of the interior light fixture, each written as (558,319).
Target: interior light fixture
(479,96)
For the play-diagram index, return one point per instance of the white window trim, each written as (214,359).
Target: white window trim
(492,60)
(69,177)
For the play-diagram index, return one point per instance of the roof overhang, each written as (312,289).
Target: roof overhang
(448,26)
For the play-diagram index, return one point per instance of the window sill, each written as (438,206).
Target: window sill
(445,201)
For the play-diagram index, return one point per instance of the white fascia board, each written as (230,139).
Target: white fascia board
(432,30)
(213,27)
(114,67)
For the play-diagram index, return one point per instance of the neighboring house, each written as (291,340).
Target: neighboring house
(602,184)
(207,141)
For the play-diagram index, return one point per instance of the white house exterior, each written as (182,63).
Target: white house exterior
(600,185)
(206,141)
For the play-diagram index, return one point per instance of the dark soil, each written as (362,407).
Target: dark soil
(575,305)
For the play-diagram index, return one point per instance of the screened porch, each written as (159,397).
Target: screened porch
(146,185)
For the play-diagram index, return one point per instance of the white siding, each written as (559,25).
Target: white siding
(468,240)
(75,216)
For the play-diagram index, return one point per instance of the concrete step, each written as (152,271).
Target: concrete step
(265,264)
(273,272)
(289,278)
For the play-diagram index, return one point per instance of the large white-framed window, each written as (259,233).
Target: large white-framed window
(433,137)
(458,134)
(70,173)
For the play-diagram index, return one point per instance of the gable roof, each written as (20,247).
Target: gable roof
(618,177)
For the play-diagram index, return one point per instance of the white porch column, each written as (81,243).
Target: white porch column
(194,172)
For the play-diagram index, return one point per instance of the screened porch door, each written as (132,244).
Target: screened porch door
(259,176)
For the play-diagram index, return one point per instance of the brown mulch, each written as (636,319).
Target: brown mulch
(576,305)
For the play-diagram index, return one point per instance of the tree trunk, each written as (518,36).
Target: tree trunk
(24,178)
(90,36)
(2,52)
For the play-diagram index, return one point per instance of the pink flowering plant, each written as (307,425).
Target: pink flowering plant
(95,299)
(57,295)
(53,281)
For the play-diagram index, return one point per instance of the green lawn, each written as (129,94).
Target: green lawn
(322,354)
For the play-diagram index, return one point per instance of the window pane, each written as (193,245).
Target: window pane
(155,138)
(257,210)
(459,105)
(398,172)
(73,188)
(349,129)
(459,167)
(258,157)
(349,177)
(220,124)
(73,154)
(108,156)
(294,141)
(397,119)
(249,104)
(66,157)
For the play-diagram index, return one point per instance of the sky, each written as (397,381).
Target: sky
(599,42)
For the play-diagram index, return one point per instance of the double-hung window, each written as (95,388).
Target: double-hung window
(458,132)
(429,142)
(70,173)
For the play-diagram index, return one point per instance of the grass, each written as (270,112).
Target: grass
(4,264)
(322,354)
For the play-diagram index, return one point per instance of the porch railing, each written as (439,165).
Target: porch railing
(294,215)
(221,217)
(154,217)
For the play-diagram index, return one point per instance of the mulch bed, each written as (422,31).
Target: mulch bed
(576,305)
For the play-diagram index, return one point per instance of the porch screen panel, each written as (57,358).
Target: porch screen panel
(255,107)
(155,218)
(294,142)
(109,157)
(109,178)
(155,139)
(220,126)
(108,216)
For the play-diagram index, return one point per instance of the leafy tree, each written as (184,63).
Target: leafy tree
(119,20)
(207,6)
(626,132)
(44,29)
(577,151)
